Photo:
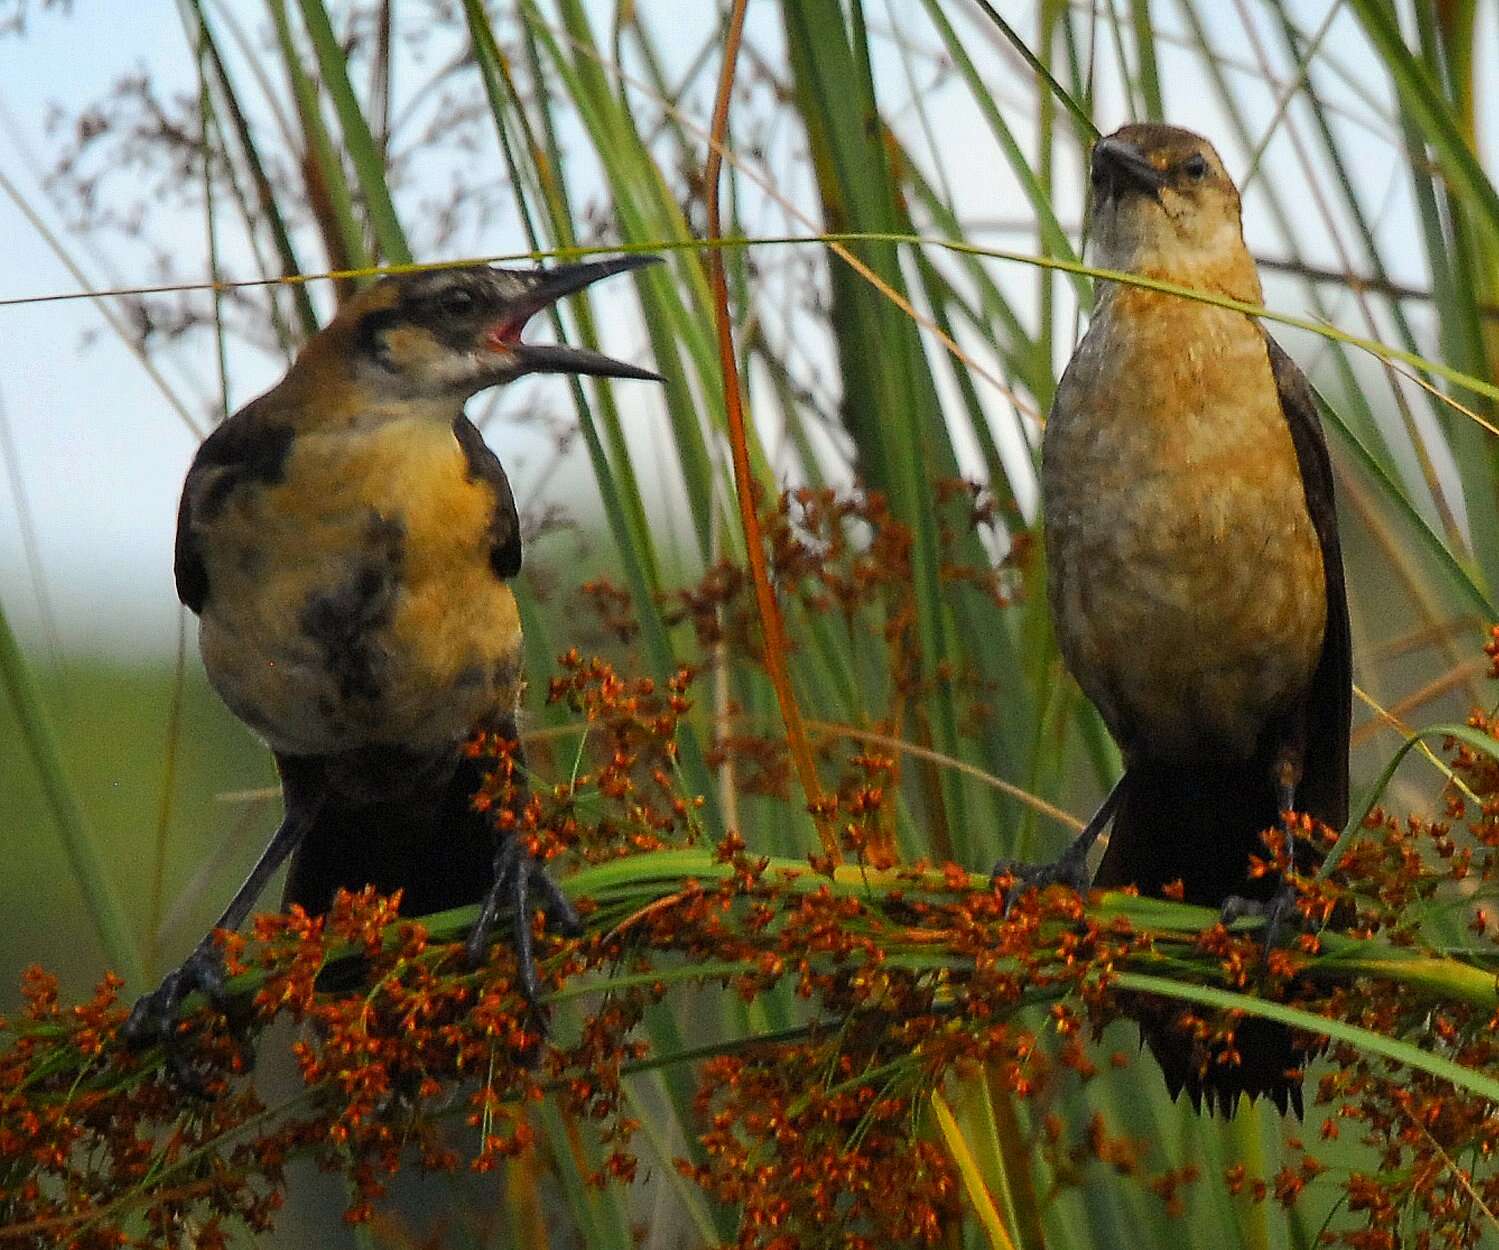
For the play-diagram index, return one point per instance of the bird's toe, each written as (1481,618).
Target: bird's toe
(1067,869)
(156,1016)
(1278,911)
(517,877)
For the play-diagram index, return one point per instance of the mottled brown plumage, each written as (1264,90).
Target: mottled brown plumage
(346,541)
(1195,577)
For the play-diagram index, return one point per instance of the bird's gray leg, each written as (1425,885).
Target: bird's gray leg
(154,1016)
(1280,906)
(516,874)
(1071,866)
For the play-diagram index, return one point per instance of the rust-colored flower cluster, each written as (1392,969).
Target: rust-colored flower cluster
(814,1155)
(619,792)
(886,983)
(889,983)
(839,553)
(1420,885)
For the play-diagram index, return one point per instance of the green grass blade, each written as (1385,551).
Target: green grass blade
(364,152)
(1439,122)
(1052,234)
(1145,60)
(265,194)
(890,404)
(1366,1040)
(347,248)
(104,906)
(1082,113)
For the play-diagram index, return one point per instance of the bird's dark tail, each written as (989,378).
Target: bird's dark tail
(1200,826)
(421,835)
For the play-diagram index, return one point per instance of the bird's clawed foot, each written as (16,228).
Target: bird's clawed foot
(1279,912)
(154,1018)
(516,874)
(1070,868)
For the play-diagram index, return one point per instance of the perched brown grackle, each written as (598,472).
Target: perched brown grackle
(346,540)
(1196,581)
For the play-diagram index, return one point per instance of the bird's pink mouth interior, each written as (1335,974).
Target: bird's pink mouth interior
(505,335)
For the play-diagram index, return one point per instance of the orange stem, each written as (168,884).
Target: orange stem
(771,623)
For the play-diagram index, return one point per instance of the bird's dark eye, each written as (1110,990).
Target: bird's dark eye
(457,302)
(1195,167)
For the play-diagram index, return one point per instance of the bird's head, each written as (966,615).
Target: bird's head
(444,334)
(1163,205)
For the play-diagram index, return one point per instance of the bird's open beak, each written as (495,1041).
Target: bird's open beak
(550,285)
(1121,166)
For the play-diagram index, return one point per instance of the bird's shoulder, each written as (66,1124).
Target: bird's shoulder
(251,446)
(504,524)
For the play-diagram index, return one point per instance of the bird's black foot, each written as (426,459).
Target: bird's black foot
(154,1018)
(1279,912)
(516,875)
(1070,868)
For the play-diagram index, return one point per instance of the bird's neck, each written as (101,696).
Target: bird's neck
(326,392)
(1230,272)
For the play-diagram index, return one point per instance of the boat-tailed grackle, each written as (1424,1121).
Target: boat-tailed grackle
(1196,581)
(347,541)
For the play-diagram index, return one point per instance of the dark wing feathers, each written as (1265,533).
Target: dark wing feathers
(246,448)
(504,523)
(1329,708)
(187,562)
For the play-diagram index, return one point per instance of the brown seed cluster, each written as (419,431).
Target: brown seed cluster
(887,982)
(818,1156)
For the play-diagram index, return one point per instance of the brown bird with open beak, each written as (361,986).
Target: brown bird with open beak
(347,541)
(1196,581)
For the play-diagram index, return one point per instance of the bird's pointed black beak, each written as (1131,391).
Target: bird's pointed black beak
(547,287)
(1120,166)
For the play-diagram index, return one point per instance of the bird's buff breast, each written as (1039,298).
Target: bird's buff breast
(1186,577)
(353,603)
